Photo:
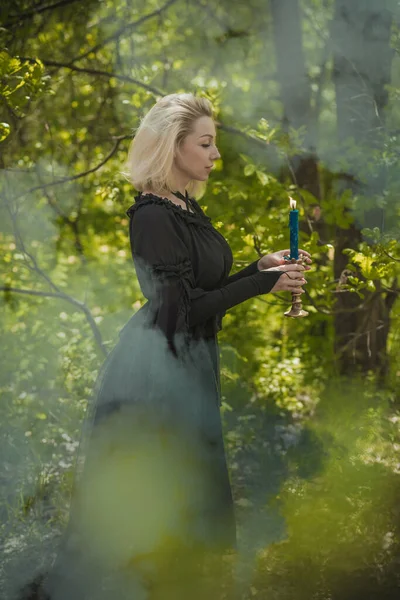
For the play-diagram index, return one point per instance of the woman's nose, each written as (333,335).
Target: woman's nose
(216,155)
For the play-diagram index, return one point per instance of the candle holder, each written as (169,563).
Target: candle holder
(296,310)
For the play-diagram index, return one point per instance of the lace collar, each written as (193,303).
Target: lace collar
(198,217)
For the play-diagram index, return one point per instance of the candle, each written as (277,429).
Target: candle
(294,229)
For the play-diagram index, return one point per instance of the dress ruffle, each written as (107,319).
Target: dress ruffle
(198,218)
(181,273)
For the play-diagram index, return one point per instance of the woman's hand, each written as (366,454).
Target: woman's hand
(276,259)
(291,280)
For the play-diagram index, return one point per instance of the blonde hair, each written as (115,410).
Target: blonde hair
(161,131)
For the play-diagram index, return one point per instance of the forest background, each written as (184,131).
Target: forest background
(306,94)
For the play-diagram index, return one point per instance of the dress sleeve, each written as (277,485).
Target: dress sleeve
(251,269)
(164,269)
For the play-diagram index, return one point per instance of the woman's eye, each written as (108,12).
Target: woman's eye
(206,145)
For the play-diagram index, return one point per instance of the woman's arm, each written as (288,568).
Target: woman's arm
(251,269)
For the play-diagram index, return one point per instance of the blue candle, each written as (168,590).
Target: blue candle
(294,230)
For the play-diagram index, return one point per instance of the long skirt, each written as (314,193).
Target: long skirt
(152,514)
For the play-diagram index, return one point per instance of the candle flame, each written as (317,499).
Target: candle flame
(292,203)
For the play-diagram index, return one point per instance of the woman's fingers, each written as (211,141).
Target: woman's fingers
(288,267)
(291,267)
(294,282)
(305,253)
(286,252)
(294,274)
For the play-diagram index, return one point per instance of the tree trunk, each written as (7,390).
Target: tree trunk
(295,89)
(362,64)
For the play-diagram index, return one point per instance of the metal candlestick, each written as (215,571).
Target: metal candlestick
(296,310)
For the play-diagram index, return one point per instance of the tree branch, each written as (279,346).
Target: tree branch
(57,291)
(8,289)
(98,73)
(118,140)
(230,129)
(36,11)
(391,257)
(73,224)
(122,30)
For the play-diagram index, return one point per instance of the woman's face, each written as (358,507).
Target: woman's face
(196,156)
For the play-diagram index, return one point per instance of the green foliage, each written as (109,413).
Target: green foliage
(339,502)
(20,83)
(375,263)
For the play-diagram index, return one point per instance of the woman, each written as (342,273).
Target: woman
(152,513)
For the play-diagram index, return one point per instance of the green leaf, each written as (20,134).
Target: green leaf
(4,131)
(262,177)
(249,170)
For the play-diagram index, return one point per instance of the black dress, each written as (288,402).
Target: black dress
(152,492)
